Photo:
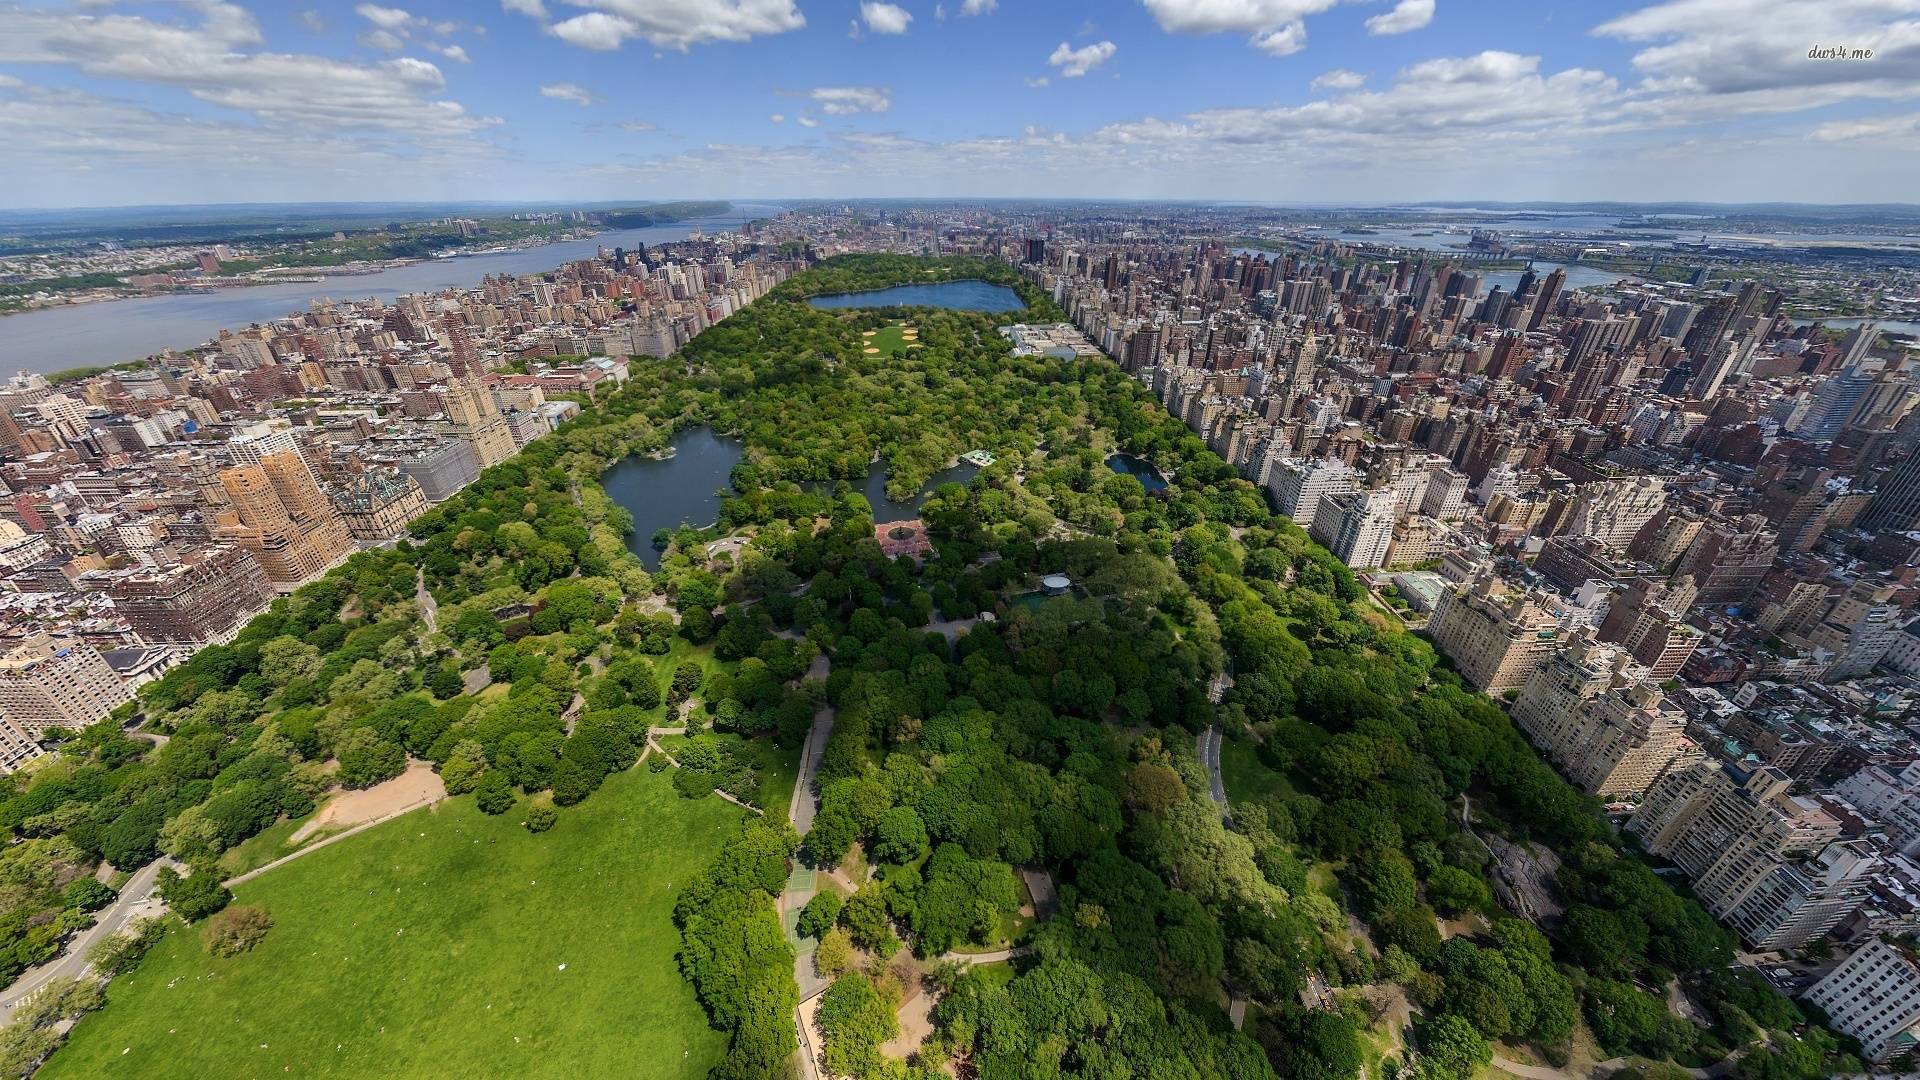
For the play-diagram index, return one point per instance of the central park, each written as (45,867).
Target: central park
(623,711)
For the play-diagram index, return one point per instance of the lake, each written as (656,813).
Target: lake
(968,295)
(874,487)
(1139,469)
(112,332)
(666,493)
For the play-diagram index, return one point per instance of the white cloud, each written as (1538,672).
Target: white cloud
(384,40)
(1074,63)
(666,24)
(565,91)
(1901,131)
(386,18)
(778,118)
(1703,58)
(636,126)
(219,60)
(1282,40)
(1406,16)
(1339,79)
(809,122)
(313,21)
(979,7)
(883,18)
(456,53)
(1038,81)
(849,100)
(1272,26)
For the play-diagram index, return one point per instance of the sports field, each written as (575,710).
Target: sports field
(445,943)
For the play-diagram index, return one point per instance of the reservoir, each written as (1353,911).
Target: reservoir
(1139,469)
(113,332)
(666,493)
(957,295)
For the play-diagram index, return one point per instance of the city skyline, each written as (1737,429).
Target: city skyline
(1302,101)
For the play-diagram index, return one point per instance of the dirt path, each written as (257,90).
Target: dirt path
(418,785)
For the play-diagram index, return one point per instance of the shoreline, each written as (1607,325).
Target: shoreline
(296,275)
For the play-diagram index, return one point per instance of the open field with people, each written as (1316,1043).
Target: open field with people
(446,943)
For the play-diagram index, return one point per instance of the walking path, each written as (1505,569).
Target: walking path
(806,796)
(422,599)
(336,838)
(1208,745)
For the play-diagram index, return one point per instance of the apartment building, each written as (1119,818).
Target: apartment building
(57,682)
(1495,636)
(1874,996)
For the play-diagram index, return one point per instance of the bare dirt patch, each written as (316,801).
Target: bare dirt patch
(418,784)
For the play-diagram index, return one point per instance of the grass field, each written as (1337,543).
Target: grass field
(889,339)
(1246,776)
(445,943)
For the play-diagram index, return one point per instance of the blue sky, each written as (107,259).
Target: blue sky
(1272,100)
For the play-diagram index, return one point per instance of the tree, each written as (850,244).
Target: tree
(367,759)
(287,658)
(87,894)
(834,954)
(1454,891)
(117,954)
(464,767)
(494,793)
(541,815)
(855,1019)
(235,930)
(1450,1049)
(899,836)
(195,896)
(1152,787)
(820,913)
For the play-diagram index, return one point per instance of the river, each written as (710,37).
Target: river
(112,332)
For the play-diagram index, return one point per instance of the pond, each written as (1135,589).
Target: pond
(970,295)
(666,493)
(1139,469)
(874,487)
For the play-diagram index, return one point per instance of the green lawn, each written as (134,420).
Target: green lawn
(889,339)
(1246,776)
(433,946)
(271,843)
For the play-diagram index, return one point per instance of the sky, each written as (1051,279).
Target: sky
(1283,101)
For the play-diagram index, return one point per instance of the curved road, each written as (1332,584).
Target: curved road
(135,901)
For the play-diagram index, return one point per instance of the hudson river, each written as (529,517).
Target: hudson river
(112,332)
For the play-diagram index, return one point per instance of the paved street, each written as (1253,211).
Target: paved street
(1207,743)
(132,903)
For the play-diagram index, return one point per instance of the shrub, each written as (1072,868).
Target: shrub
(118,954)
(235,930)
(541,815)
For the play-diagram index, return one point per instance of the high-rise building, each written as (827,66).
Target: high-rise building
(203,599)
(1494,635)
(1728,559)
(473,416)
(1890,798)
(1614,511)
(1767,861)
(57,682)
(1833,405)
(1858,630)
(1355,526)
(1874,996)
(378,504)
(1896,505)
(1648,620)
(1298,486)
(280,515)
